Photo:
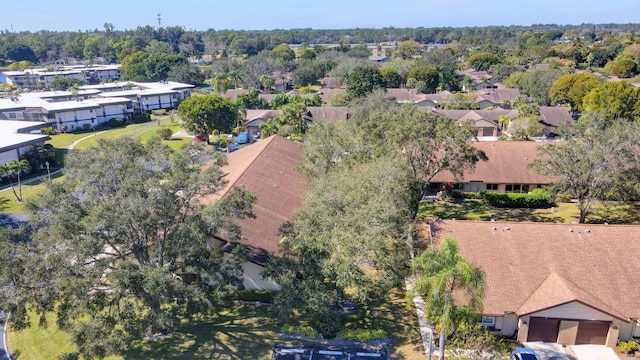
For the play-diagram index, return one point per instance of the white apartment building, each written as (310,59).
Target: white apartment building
(42,77)
(94,104)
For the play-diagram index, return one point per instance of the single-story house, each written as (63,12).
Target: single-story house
(552,117)
(254,118)
(268,168)
(332,82)
(493,97)
(487,121)
(506,170)
(564,283)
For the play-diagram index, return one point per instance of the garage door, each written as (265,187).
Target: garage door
(592,332)
(543,329)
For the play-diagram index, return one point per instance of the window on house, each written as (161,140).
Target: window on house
(492,186)
(12,115)
(517,188)
(458,186)
(488,321)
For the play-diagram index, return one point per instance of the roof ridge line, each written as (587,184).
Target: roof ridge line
(269,142)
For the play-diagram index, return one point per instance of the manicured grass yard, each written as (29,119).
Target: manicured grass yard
(473,209)
(241,332)
(8,203)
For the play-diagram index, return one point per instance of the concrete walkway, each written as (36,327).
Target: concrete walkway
(594,352)
(423,323)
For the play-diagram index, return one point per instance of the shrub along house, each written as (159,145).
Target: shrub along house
(564,283)
(268,169)
(506,170)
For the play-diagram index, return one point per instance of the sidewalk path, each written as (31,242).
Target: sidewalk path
(423,323)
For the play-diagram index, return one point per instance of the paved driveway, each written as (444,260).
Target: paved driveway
(594,352)
(548,351)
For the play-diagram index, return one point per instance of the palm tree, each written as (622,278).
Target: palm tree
(267,129)
(267,82)
(7,169)
(235,76)
(18,167)
(220,82)
(442,271)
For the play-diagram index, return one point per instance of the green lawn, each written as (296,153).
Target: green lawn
(8,201)
(241,332)
(473,209)
(144,131)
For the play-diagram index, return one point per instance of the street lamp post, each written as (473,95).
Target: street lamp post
(48,171)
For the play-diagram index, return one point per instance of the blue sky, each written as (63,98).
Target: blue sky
(34,15)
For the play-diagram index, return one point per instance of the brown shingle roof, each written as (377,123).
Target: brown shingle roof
(233,93)
(267,168)
(260,114)
(554,115)
(534,266)
(508,163)
(328,113)
(497,96)
(489,115)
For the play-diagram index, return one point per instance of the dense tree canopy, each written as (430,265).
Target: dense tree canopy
(616,100)
(571,89)
(363,80)
(123,246)
(586,164)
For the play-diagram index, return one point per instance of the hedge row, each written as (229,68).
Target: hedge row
(536,199)
(363,335)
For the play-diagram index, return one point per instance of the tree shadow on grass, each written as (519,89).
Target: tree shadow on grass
(615,214)
(244,332)
(470,209)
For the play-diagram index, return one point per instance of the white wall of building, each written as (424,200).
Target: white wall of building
(8,156)
(253,279)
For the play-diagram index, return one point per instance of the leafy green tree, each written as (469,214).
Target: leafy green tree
(61,84)
(409,48)
(292,119)
(483,61)
(428,76)
(459,101)
(284,53)
(204,114)
(617,100)
(571,89)
(307,54)
(525,127)
(585,165)
(123,247)
(624,67)
(251,100)
(442,271)
(267,82)
(346,238)
(364,80)
(391,77)
(186,74)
